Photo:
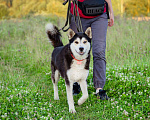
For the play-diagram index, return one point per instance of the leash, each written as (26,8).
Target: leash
(75,16)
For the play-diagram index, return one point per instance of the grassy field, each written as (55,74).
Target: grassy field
(26,92)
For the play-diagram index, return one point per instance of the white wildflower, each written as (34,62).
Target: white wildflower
(116,102)
(125,112)
(16,113)
(140,93)
(134,116)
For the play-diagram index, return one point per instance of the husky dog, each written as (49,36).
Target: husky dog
(70,61)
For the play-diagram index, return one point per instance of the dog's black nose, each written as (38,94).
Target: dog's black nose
(81,49)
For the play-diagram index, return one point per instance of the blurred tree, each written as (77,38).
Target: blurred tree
(9,3)
(136,8)
(3,11)
(19,8)
(56,7)
(118,6)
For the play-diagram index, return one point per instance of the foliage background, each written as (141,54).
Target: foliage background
(20,8)
(26,90)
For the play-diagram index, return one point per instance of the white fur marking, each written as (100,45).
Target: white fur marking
(50,27)
(56,97)
(70,97)
(83,85)
(77,71)
(75,48)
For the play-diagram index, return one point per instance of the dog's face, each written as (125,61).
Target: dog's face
(80,43)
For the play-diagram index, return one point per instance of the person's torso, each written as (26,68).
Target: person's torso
(80,11)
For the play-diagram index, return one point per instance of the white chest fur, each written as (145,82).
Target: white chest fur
(77,71)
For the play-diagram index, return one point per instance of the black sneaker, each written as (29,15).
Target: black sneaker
(76,88)
(103,95)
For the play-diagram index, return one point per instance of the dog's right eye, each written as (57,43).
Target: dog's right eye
(76,42)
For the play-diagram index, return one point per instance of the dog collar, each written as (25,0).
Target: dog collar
(78,61)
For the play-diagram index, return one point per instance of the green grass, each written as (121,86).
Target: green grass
(26,92)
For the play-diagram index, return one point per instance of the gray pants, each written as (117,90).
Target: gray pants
(99,29)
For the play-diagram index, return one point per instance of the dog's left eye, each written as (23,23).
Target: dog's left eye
(85,42)
(76,42)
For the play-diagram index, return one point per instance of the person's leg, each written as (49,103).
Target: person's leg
(99,31)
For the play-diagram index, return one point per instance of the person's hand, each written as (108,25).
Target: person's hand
(111,20)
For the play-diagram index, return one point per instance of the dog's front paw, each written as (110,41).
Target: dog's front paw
(82,99)
(80,102)
(72,110)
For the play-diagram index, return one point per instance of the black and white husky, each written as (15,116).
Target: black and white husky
(70,61)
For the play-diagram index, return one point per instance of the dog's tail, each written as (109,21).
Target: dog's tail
(53,35)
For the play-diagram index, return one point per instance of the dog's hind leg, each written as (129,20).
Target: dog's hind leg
(56,97)
(55,77)
(83,85)
(69,88)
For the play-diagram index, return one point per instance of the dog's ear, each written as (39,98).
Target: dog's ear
(88,32)
(71,33)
